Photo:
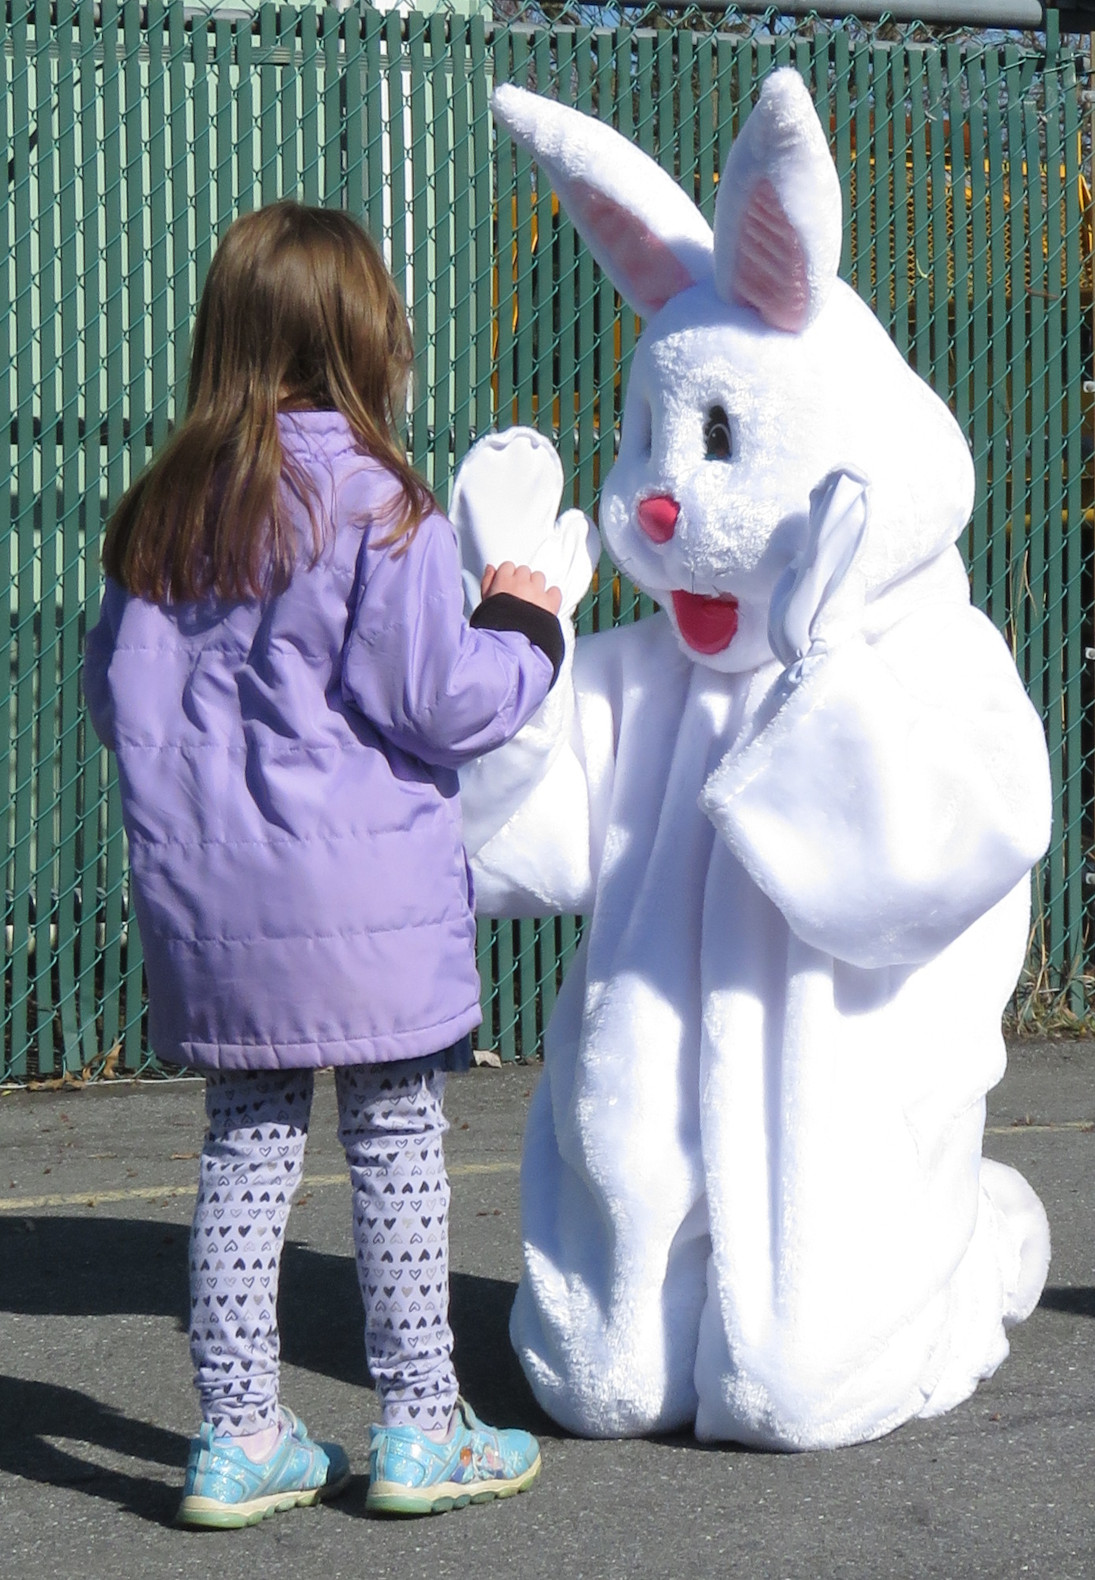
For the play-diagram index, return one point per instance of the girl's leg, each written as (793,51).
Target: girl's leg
(432,1453)
(391,1126)
(249,1172)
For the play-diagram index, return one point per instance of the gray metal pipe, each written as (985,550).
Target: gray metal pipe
(1024,15)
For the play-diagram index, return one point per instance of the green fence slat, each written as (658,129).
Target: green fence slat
(9,68)
(332,186)
(268,75)
(182,205)
(249,141)
(506,1000)
(311,151)
(115,479)
(1041,664)
(524,230)
(22,550)
(977,432)
(398,232)
(995,581)
(365,162)
(862,271)
(463,262)
(76,1048)
(288,120)
(841,139)
(155,254)
(560,255)
(45,571)
(903,249)
(612,597)
(462,388)
(443,245)
(192,123)
(229,170)
(706,126)
(133,388)
(484,209)
(882,192)
(1077,764)
(542,333)
(1018,361)
(528,989)
(357,114)
(92,833)
(511,165)
(937,250)
(1051,156)
(419,160)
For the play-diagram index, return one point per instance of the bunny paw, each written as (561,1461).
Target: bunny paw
(505,506)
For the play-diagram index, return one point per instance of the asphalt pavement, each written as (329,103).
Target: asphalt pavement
(96,1405)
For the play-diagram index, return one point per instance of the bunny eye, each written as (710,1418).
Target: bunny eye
(644,428)
(718,442)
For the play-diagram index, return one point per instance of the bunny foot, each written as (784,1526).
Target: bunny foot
(997,1284)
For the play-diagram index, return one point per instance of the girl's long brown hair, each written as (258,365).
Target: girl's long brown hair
(298,311)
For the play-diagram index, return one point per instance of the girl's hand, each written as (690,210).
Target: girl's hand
(521,582)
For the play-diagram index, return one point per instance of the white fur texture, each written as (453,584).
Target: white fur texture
(753,1193)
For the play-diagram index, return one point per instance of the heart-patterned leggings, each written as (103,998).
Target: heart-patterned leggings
(390,1126)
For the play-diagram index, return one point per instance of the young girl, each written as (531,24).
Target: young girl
(283,669)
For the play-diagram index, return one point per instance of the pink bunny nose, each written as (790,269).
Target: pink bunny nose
(658,516)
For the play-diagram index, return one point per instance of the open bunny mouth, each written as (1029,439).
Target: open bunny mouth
(708,625)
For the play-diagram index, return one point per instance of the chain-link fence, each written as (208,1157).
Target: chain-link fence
(135,134)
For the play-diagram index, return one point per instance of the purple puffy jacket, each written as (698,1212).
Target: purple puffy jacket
(289,788)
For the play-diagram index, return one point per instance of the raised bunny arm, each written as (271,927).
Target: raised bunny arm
(901,787)
(526,806)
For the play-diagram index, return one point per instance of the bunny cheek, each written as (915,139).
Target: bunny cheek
(707,625)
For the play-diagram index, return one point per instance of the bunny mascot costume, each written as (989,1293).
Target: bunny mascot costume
(798,807)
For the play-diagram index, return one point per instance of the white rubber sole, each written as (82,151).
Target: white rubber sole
(391,1497)
(209,1515)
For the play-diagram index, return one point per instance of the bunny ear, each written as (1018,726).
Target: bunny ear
(643,230)
(778,215)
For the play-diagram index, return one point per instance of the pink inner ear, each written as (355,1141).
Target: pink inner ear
(770,272)
(649,274)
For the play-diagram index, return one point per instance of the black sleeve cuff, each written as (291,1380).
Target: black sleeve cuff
(503,612)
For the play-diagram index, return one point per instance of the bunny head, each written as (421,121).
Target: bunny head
(759,372)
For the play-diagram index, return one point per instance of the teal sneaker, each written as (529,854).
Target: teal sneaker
(225,1490)
(411,1474)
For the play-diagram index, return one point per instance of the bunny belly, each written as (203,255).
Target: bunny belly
(765,1212)
(753,1195)
(613,1199)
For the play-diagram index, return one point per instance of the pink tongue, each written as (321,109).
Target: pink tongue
(707,624)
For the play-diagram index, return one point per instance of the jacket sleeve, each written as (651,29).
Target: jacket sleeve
(429,682)
(895,795)
(98,652)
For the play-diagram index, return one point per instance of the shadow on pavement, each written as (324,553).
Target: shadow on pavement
(54,1266)
(1077,1302)
(32,1412)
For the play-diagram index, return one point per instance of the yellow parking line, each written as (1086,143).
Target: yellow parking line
(97,1198)
(1023,1129)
